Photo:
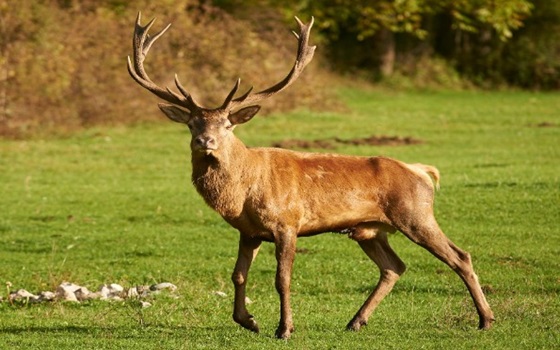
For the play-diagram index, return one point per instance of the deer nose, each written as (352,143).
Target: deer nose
(205,142)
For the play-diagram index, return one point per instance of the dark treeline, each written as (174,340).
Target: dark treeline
(63,62)
(487,42)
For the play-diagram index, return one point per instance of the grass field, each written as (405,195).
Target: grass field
(116,205)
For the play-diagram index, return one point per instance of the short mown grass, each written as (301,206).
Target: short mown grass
(116,205)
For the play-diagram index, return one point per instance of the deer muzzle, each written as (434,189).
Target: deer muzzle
(205,143)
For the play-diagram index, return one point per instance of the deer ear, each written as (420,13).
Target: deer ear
(175,113)
(243,115)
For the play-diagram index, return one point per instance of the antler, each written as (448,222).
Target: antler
(304,56)
(141,43)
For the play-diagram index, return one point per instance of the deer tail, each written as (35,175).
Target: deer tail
(431,171)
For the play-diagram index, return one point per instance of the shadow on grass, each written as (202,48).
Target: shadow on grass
(52,329)
(122,336)
(126,330)
(410,288)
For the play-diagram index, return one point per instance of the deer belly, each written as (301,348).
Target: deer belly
(338,214)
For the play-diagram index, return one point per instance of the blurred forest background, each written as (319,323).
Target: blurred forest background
(63,62)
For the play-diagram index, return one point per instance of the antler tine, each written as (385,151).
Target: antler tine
(185,93)
(141,44)
(244,96)
(304,38)
(231,94)
(304,56)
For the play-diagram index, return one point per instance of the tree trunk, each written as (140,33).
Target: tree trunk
(384,52)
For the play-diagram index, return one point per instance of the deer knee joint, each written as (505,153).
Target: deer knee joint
(466,257)
(391,274)
(400,268)
(237,278)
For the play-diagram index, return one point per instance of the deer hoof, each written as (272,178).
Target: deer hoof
(251,325)
(284,332)
(485,324)
(355,325)
(248,323)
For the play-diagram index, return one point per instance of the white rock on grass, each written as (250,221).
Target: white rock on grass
(71,292)
(115,288)
(132,293)
(22,294)
(138,292)
(47,296)
(162,286)
(67,291)
(104,292)
(111,291)
(83,294)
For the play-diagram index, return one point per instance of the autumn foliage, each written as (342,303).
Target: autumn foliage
(63,63)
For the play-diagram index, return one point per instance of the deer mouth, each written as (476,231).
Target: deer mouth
(205,150)
(209,151)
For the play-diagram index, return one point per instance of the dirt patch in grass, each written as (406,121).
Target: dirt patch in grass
(545,124)
(335,142)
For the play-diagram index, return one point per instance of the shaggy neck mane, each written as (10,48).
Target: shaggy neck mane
(221,178)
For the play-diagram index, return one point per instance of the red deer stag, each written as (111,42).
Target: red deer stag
(277,195)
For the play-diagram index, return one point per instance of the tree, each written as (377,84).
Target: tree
(381,20)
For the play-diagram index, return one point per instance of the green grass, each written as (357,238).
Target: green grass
(116,205)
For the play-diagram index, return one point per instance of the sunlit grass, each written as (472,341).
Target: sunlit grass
(116,205)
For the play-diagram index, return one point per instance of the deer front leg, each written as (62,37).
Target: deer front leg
(248,249)
(285,253)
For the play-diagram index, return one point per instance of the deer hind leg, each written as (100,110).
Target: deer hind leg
(431,237)
(373,241)
(248,249)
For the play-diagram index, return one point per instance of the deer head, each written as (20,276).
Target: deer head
(211,128)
